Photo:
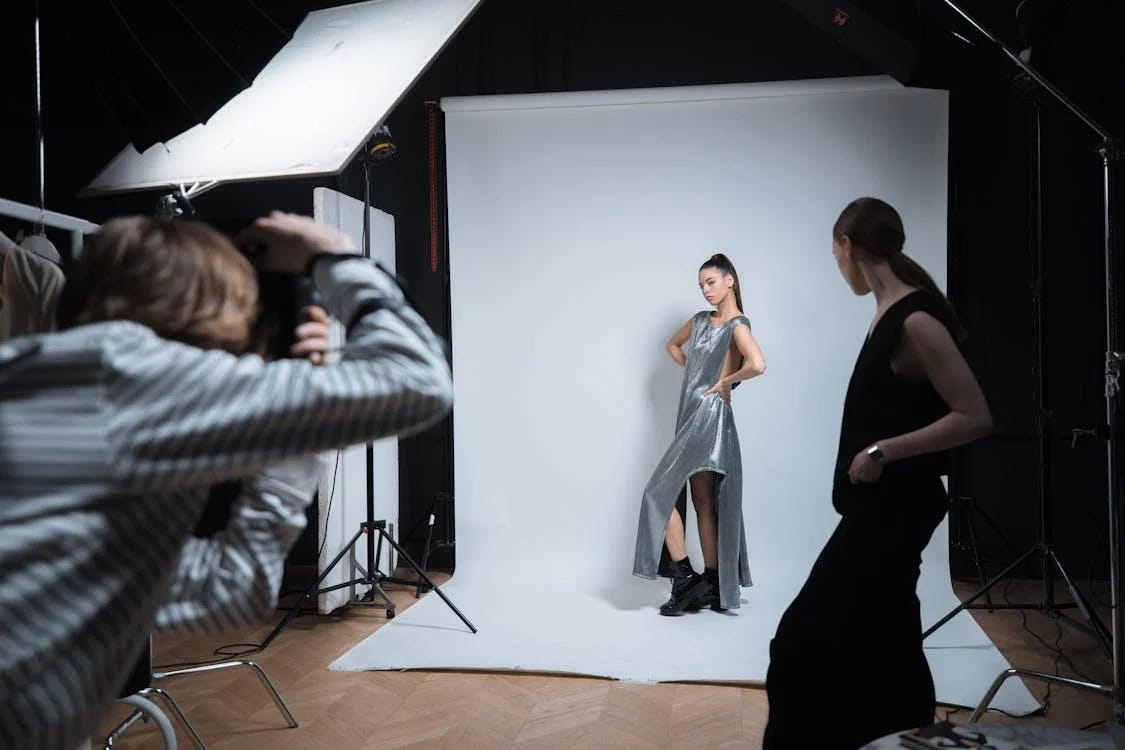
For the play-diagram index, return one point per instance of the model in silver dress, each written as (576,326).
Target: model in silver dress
(704,453)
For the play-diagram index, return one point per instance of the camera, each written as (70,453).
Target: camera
(283,299)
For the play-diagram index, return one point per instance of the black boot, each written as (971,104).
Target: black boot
(688,588)
(711,575)
(666,568)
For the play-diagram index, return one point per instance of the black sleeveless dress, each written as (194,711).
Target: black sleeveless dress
(846,664)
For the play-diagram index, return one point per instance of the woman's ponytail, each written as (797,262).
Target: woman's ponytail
(876,226)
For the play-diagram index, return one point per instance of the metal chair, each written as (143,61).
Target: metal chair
(142,683)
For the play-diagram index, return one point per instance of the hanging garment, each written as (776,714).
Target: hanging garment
(30,287)
(706,440)
(6,246)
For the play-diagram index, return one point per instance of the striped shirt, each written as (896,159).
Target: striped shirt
(231,578)
(109,439)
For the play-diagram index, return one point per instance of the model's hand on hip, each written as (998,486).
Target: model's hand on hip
(722,388)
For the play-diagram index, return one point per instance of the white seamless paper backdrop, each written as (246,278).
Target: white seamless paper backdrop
(576,236)
(578,223)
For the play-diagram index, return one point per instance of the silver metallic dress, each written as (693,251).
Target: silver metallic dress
(706,440)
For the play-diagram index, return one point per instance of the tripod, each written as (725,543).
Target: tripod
(1050,565)
(442,505)
(379,149)
(963,535)
(1112,152)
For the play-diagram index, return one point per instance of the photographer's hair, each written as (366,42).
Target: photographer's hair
(723,265)
(876,227)
(182,279)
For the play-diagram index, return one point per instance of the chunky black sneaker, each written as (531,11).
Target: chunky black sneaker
(686,592)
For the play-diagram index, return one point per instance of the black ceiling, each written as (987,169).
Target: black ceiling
(120,71)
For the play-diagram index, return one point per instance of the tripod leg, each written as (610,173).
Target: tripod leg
(979,593)
(996,530)
(426,551)
(379,557)
(388,603)
(309,591)
(976,557)
(1100,632)
(421,574)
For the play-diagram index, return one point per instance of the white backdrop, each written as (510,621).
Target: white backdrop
(576,236)
(343,489)
(577,225)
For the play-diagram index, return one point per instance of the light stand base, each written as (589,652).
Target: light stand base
(1092,626)
(367,579)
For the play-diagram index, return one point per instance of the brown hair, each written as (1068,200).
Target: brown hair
(876,227)
(724,266)
(182,279)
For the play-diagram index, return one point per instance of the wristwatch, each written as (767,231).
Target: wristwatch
(875,453)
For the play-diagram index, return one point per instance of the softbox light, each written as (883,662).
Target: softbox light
(313,105)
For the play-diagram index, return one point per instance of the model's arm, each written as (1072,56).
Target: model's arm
(928,348)
(753,362)
(675,345)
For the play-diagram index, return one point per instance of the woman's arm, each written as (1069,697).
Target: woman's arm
(753,363)
(928,347)
(675,345)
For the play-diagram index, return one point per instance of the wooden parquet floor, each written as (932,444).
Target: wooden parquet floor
(491,711)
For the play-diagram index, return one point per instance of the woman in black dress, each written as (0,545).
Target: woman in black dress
(846,664)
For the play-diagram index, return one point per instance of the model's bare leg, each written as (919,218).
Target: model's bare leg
(703,498)
(674,537)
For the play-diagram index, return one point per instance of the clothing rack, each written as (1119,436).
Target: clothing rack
(78,228)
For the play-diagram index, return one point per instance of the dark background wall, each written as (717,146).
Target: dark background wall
(512,46)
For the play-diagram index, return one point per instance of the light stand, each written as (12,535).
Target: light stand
(379,149)
(1111,152)
(1049,562)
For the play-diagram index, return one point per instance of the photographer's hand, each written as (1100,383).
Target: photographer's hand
(312,337)
(289,241)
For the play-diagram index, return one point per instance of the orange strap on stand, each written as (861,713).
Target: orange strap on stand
(435,192)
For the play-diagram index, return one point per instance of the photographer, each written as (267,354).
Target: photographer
(113,429)
(230,570)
